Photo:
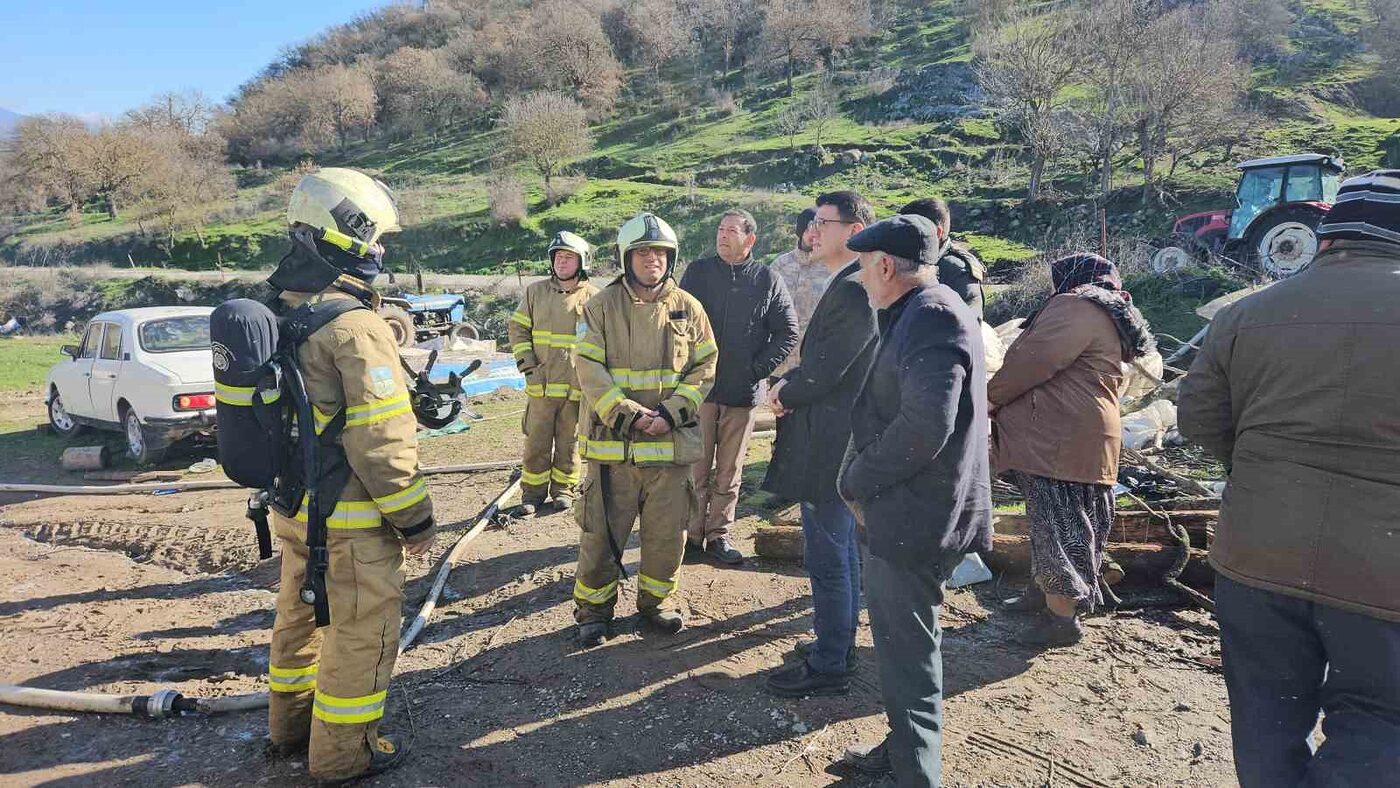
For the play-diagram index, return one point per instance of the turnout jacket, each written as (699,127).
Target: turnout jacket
(351,366)
(542,336)
(754,323)
(634,355)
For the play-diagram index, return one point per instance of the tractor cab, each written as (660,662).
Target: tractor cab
(1308,179)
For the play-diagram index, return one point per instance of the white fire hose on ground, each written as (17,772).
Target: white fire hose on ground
(171,703)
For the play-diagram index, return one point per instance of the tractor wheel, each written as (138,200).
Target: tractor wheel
(1171,258)
(1283,243)
(462,331)
(400,322)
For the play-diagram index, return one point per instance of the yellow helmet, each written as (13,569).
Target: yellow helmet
(344,208)
(573,243)
(646,229)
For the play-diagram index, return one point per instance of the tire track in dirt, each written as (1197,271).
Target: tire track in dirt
(189,549)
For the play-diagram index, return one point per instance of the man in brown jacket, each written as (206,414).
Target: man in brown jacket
(1296,392)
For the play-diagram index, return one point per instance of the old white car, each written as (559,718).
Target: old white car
(145,372)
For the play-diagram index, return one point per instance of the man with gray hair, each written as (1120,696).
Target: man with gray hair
(915,474)
(756,328)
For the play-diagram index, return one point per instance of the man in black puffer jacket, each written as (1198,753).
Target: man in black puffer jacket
(756,328)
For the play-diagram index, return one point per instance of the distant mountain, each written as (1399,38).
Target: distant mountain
(8,120)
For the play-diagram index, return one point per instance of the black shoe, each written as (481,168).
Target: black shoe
(800,680)
(803,650)
(592,634)
(694,551)
(1052,631)
(870,759)
(722,551)
(668,621)
(1032,600)
(563,503)
(286,749)
(388,752)
(527,508)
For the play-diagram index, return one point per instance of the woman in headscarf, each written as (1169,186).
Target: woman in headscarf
(1057,433)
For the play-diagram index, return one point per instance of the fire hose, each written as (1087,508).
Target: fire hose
(171,703)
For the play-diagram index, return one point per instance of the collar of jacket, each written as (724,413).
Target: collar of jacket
(742,264)
(889,316)
(1346,250)
(667,285)
(344,284)
(1133,332)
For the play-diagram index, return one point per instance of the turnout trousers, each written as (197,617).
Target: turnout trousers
(328,686)
(551,449)
(725,431)
(662,497)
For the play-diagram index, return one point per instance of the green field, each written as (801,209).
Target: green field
(25,361)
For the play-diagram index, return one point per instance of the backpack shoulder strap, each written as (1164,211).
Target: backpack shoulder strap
(299,324)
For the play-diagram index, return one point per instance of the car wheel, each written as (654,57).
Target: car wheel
(140,444)
(400,322)
(61,420)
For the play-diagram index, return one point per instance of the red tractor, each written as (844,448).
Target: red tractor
(1278,205)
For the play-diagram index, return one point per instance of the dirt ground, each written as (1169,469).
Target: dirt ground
(133,593)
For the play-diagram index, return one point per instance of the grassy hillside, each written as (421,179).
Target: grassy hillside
(896,137)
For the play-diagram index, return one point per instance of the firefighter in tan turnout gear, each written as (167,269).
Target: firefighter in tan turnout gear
(645,359)
(542,336)
(328,685)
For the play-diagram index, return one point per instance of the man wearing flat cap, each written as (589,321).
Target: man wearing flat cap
(916,475)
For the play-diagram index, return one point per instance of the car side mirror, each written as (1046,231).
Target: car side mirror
(70,350)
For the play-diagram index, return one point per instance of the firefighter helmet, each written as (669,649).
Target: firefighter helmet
(344,208)
(568,241)
(646,229)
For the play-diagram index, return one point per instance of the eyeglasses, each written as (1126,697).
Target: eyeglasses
(821,223)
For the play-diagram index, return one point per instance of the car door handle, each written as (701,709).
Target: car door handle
(87,374)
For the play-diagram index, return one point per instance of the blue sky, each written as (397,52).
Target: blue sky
(100,58)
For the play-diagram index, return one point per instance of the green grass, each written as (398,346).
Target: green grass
(25,361)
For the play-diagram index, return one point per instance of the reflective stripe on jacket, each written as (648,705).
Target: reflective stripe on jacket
(633,356)
(542,333)
(352,364)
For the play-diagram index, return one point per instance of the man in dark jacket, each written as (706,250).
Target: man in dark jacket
(958,267)
(916,475)
(756,328)
(1295,391)
(814,401)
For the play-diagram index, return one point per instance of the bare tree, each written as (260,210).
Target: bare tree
(189,112)
(185,176)
(1259,27)
(725,24)
(813,111)
(338,101)
(653,32)
(49,156)
(419,90)
(1111,35)
(568,49)
(1025,63)
(114,159)
(1187,86)
(547,129)
(802,32)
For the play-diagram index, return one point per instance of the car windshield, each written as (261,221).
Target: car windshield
(175,333)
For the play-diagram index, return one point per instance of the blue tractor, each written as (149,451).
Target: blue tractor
(418,318)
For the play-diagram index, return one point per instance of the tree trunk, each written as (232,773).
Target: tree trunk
(1037,171)
(790,66)
(112,207)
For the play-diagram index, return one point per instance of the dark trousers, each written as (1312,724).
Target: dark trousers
(832,557)
(904,602)
(1286,659)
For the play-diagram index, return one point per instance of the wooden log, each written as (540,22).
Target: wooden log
(84,458)
(764,419)
(1179,505)
(1143,564)
(1131,526)
(782,542)
(790,517)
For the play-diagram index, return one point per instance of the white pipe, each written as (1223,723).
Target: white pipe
(214,484)
(168,702)
(426,611)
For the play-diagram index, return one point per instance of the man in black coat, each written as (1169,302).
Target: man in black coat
(756,328)
(813,402)
(916,475)
(958,267)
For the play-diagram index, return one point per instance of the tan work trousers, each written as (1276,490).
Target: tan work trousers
(329,685)
(663,498)
(551,449)
(724,435)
